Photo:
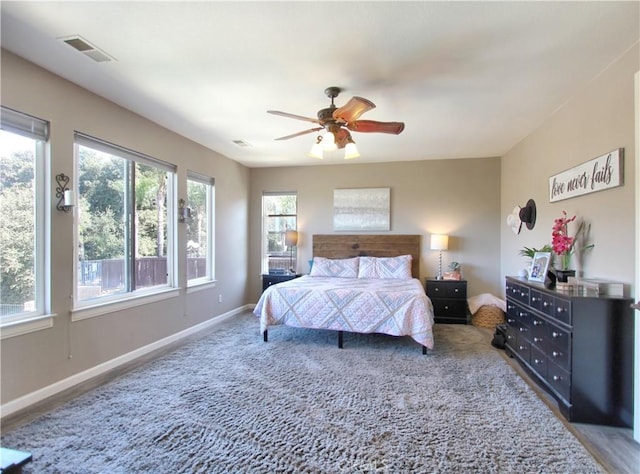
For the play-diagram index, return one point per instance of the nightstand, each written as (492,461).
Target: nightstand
(449,298)
(269,279)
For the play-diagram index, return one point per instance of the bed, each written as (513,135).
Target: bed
(357,283)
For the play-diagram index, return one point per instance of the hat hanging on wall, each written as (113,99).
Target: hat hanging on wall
(513,220)
(528,214)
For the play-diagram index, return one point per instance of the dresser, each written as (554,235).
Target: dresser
(449,298)
(269,279)
(578,348)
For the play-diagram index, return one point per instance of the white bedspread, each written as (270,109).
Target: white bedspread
(388,306)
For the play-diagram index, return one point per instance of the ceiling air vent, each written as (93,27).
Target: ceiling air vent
(241,143)
(78,43)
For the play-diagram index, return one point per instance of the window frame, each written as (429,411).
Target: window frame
(128,298)
(19,123)
(210,200)
(265,231)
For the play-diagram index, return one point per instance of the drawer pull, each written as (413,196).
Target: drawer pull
(436,289)
(446,307)
(509,336)
(537,339)
(522,347)
(521,314)
(559,309)
(537,361)
(555,334)
(545,304)
(557,378)
(556,354)
(522,329)
(537,322)
(534,299)
(511,321)
(522,294)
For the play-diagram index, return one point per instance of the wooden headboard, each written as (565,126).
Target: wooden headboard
(388,245)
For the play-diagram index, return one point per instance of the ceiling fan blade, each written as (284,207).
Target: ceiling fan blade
(311,130)
(293,116)
(372,126)
(353,109)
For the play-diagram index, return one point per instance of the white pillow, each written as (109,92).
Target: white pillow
(338,267)
(385,267)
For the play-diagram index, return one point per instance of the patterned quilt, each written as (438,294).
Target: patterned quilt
(364,305)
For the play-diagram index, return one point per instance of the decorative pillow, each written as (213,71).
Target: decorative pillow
(339,267)
(385,267)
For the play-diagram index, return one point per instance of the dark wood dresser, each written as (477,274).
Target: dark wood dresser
(578,348)
(449,298)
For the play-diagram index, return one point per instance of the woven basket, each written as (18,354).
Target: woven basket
(488,317)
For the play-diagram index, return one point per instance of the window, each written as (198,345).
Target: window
(22,206)
(279,212)
(124,228)
(200,229)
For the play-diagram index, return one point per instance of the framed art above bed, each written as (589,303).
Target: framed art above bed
(361,209)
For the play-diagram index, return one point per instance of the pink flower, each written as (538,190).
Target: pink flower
(561,242)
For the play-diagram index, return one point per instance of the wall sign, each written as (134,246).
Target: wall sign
(604,172)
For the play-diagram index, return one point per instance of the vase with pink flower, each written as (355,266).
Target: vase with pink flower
(564,245)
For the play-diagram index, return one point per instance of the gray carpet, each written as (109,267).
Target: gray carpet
(232,403)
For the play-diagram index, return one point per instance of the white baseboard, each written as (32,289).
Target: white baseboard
(32,398)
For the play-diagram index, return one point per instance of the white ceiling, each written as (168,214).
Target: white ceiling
(469,79)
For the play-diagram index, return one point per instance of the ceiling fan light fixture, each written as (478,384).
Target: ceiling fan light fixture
(316,149)
(351,151)
(329,142)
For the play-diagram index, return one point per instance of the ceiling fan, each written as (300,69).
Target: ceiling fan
(339,121)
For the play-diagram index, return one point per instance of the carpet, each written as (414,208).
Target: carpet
(228,402)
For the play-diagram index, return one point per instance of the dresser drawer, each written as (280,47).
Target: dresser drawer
(535,299)
(539,362)
(560,380)
(559,346)
(523,348)
(521,315)
(446,308)
(563,311)
(447,289)
(518,292)
(538,330)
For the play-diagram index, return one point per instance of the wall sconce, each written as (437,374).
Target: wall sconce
(439,242)
(184,213)
(63,193)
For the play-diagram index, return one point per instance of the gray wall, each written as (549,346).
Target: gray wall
(36,360)
(457,197)
(598,119)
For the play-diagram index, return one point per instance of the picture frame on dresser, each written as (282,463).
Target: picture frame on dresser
(539,266)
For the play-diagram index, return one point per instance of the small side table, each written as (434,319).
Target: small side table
(449,298)
(269,279)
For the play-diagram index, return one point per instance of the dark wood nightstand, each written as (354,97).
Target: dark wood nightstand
(449,298)
(269,279)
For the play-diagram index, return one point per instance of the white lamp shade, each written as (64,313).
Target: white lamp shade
(291,238)
(329,142)
(316,151)
(351,151)
(439,242)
